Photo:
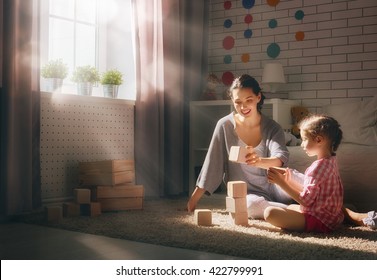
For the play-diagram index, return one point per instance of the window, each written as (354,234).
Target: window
(90,32)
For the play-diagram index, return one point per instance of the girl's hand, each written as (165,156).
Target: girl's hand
(278,175)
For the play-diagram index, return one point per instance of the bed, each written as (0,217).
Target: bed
(357,154)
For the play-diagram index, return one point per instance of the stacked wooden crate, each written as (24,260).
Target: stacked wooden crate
(112,183)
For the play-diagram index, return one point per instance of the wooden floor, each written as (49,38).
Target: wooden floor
(19,241)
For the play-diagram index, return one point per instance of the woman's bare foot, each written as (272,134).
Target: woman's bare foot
(354,217)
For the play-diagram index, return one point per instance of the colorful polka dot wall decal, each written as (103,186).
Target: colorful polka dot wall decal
(272,23)
(299,15)
(227,78)
(273,50)
(273,3)
(228,23)
(227,59)
(248,33)
(300,35)
(228,42)
(245,58)
(248,19)
(227,5)
(248,4)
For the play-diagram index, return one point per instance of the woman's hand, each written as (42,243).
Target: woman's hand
(252,158)
(196,195)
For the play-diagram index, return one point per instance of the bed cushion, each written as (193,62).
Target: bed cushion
(358,120)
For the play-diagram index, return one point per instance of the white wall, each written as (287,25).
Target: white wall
(336,62)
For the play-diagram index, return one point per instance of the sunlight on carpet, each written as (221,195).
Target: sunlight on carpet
(163,222)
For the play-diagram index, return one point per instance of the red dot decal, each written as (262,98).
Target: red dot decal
(228,42)
(227,5)
(248,19)
(227,78)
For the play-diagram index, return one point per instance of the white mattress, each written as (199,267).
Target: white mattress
(358,170)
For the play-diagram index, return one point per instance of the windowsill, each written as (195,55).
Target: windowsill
(85,98)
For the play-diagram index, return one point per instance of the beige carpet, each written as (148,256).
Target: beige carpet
(164,222)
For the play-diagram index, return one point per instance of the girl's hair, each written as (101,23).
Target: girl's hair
(246,81)
(325,126)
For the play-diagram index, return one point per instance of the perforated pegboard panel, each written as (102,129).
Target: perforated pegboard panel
(81,128)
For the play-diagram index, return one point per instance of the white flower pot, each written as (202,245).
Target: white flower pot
(110,91)
(84,88)
(53,85)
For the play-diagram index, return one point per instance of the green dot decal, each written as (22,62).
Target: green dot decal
(299,15)
(272,23)
(273,50)
(227,59)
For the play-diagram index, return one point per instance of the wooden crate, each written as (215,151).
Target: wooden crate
(118,191)
(106,166)
(122,203)
(110,179)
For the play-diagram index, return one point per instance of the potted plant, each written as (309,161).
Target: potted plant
(110,81)
(54,72)
(85,77)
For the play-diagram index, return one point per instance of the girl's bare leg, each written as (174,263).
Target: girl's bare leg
(354,217)
(289,218)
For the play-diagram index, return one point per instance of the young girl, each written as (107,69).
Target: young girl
(320,193)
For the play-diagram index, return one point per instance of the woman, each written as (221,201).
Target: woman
(263,137)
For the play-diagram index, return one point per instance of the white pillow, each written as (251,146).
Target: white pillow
(358,120)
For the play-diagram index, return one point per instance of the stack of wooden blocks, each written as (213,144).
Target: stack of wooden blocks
(112,184)
(81,205)
(236,202)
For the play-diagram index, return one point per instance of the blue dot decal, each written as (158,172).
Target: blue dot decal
(248,4)
(228,23)
(248,33)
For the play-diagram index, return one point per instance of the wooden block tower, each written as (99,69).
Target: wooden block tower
(236,202)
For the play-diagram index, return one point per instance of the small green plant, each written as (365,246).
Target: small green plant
(112,77)
(54,69)
(85,74)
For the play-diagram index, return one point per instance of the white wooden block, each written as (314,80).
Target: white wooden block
(240,218)
(203,217)
(238,154)
(235,205)
(236,189)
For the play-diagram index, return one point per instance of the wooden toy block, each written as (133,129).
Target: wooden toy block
(238,154)
(235,205)
(240,218)
(203,217)
(93,209)
(82,196)
(71,209)
(54,213)
(237,189)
